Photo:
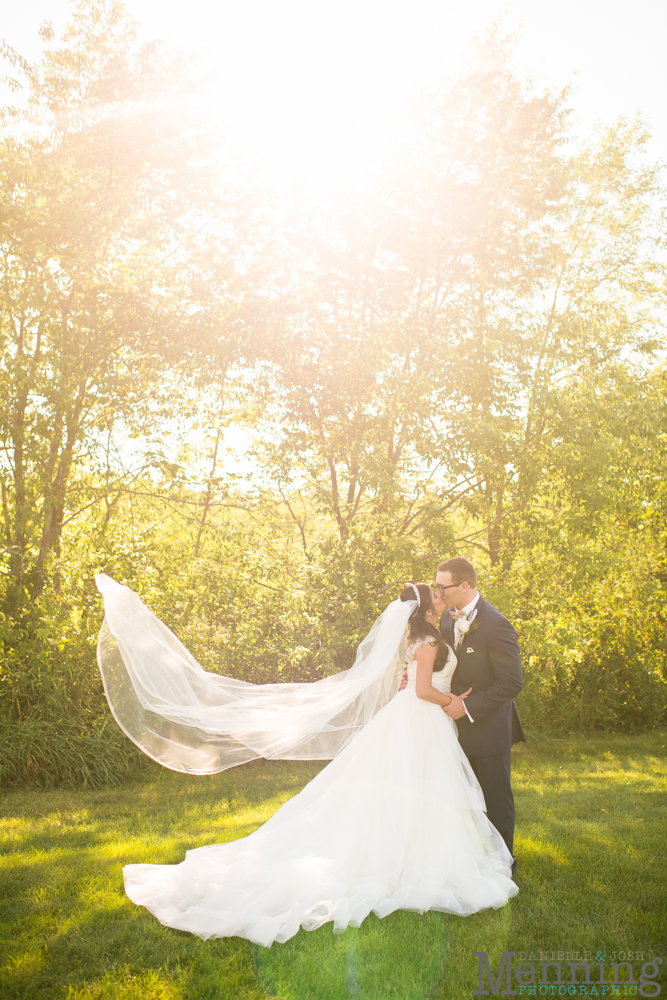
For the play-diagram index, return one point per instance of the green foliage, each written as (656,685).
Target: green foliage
(71,751)
(591,671)
(53,731)
(97,303)
(458,358)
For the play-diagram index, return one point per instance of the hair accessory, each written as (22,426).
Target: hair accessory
(416,593)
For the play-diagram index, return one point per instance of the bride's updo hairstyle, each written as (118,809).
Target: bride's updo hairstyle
(419,627)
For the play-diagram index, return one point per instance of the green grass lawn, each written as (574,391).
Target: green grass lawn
(591,840)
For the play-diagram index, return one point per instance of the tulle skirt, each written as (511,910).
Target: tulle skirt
(396,821)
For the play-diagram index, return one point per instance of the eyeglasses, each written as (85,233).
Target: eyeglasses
(443,587)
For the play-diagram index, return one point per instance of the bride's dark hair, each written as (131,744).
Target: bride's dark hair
(419,627)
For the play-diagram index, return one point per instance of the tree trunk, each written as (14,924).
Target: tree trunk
(55,493)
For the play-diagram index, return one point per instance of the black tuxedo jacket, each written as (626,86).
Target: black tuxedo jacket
(489,662)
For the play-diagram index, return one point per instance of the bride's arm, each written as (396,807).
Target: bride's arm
(425,657)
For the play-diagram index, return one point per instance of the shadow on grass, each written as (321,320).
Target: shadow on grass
(176,807)
(592,874)
(95,942)
(405,956)
(67,929)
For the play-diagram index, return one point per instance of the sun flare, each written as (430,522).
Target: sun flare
(316,92)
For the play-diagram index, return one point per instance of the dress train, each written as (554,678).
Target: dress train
(395,821)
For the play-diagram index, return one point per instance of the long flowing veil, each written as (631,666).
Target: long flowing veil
(189,719)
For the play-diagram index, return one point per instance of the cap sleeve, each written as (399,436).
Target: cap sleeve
(412,647)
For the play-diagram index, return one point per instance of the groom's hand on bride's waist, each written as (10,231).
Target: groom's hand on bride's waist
(404,680)
(455,709)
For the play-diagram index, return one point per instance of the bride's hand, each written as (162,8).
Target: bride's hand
(404,680)
(455,709)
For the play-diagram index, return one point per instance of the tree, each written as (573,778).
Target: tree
(109,180)
(541,269)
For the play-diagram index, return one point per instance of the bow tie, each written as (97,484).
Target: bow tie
(457,614)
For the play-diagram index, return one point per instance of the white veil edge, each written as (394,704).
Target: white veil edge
(191,720)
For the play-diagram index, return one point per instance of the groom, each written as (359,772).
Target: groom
(489,662)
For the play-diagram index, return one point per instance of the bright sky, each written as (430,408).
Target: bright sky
(311,84)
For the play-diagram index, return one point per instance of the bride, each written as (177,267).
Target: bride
(395,821)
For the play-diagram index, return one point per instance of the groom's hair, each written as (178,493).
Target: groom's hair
(460,569)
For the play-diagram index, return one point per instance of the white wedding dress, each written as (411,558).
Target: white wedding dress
(395,821)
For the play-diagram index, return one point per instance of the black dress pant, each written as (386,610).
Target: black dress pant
(493,774)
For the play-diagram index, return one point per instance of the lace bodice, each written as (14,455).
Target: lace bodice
(442,679)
